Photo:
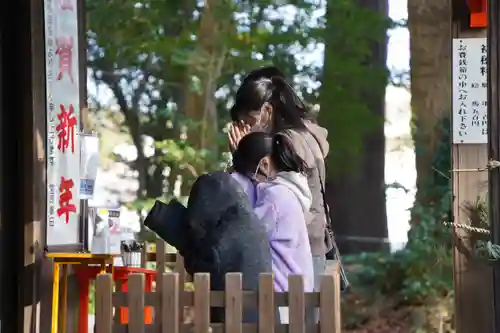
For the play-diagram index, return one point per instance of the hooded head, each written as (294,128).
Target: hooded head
(216,201)
(297,183)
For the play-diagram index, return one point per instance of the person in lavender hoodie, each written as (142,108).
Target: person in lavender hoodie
(245,159)
(282,201)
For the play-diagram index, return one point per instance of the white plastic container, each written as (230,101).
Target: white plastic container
(131,259)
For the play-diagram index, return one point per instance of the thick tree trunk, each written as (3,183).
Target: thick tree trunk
(429,22)
(357,196)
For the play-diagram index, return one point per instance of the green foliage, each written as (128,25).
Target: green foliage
(419,273)
(487,250)
(422,271)
(152,56)
(479,236)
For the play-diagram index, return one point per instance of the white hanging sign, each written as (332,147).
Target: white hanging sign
(63,122)
(89,164)
(470,118)
(107,231)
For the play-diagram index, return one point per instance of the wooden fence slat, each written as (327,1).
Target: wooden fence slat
(179,263)
(329,299)
(160,257)
(267,310)
(103,303)
(179,268)
(170,310)
(160,249)
(136,284)
(234,303)
(144,256)
(296,312)
(117,314)
(201,303)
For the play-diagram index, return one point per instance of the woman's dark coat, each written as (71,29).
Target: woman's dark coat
(217,233)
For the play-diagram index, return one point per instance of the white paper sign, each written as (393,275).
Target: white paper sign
(89,159)
(107,231)
(63,122)
(470,118)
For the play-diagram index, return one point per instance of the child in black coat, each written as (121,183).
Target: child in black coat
(217,233)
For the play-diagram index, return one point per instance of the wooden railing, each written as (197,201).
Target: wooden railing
(169,301)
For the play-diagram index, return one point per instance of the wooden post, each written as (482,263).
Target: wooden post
(472,280)
(11,224)
(266,304)
(494,142)
(2,186)
(170,309)
(28,189)
(201,303)
(104,303)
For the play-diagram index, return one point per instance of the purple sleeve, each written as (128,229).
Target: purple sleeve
(266,211)
(278,208)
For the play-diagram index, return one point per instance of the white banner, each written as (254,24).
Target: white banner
(470,117)
(63,122)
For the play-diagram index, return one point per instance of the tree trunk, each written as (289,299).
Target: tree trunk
(205,64)
(357,196)
(429,22)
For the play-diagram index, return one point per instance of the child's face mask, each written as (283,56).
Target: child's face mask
(263,170)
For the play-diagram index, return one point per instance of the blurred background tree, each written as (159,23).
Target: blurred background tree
(355,77)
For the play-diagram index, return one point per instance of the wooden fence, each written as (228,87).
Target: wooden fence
(170,299)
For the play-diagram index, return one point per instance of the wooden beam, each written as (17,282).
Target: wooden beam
(494,141)
(23,187)
(33,166)
(460,12)
(9,243)
(2,183)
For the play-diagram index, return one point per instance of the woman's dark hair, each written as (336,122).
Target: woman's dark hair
(284,156)
(263,72)
(289,110)
(251,149)
(257,145)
